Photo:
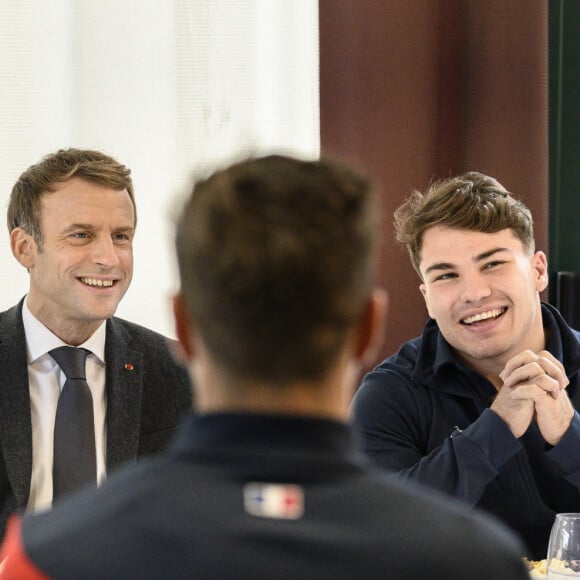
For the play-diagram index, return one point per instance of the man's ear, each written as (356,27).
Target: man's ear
(371,327)
(540,267)
(423,290)
(183,329)
(23,246)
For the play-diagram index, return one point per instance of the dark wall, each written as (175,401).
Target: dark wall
(564,135)
(413,90)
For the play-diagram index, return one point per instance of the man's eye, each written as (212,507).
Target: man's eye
(80,235)
(493,264)
(122,237)
(447,276)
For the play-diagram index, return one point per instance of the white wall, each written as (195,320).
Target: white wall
(171,88)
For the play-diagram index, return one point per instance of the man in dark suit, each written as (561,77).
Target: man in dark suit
(275,315)
(72,219)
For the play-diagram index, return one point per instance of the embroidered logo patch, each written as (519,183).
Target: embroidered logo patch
(274,500)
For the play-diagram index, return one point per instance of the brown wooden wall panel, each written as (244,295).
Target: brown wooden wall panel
(413,90)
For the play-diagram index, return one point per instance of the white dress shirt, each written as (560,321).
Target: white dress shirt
(45,382)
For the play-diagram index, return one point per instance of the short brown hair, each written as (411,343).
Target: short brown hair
(38,179)
(472,201)
(276,260)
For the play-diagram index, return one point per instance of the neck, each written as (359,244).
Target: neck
(328,397)
(72,333)
(292,399)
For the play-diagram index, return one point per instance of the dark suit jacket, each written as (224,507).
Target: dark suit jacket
(144,404)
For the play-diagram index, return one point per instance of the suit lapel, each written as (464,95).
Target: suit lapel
(15,420)
(124,385)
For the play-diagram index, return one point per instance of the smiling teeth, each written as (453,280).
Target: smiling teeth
(483,316)
(95,282)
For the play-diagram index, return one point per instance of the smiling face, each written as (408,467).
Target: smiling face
(483,291)
(85,264)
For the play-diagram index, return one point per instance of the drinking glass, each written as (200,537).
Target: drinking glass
(564,547)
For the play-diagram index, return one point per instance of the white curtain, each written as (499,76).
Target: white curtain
(171,88)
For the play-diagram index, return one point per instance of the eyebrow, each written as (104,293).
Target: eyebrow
(89,227)
(448,266)
(74,227)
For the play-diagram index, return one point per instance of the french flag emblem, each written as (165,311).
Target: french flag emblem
(274,500)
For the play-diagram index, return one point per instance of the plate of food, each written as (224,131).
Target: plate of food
(537,568)
(559,568)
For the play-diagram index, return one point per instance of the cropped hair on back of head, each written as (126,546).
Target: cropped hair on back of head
(41,178)
(276,262)
(472,201)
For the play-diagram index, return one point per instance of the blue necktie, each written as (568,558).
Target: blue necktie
(74,463)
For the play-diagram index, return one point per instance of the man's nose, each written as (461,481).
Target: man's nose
(475,288)
(105,252)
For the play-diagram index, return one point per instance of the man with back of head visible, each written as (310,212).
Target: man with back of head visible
(481,406)
(72,219)
(275,314)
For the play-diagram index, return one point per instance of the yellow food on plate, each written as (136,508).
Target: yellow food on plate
(537,568)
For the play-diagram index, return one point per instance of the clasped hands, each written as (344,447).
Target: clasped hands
(534,388)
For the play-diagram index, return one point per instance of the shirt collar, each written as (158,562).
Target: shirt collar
(435,353)
(40,340)
(561,340)
(226,430)
(277,447)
